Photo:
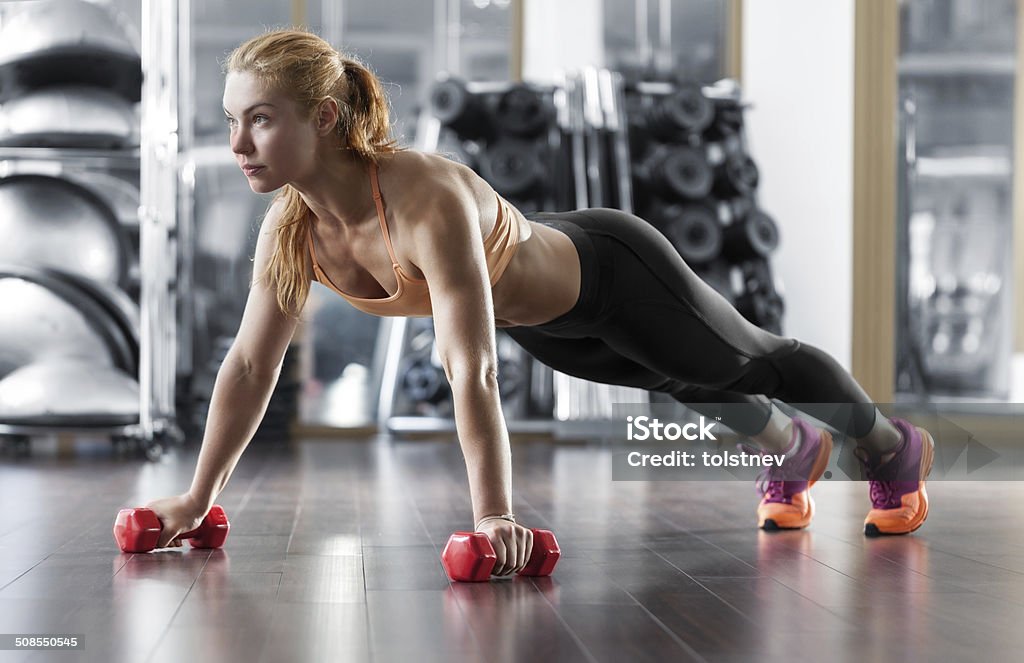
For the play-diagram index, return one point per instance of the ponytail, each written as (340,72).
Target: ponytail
(366,127)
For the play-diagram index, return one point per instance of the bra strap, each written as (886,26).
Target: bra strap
(312,251)
(375,185)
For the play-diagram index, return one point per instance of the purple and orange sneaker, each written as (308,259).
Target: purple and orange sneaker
(899,503)
(786,500)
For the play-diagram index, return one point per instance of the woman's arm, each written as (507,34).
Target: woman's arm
(247,376)
(448,248)
(449,251)
(241,393)
(239,401)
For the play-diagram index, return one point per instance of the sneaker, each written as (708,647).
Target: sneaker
(898,498)
(785,498)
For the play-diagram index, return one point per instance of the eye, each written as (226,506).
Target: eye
(230,121)
(260,119)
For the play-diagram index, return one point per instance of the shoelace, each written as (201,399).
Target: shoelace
(766,484)
(883,493)
(767,487)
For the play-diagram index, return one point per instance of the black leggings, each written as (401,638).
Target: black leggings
(644,319)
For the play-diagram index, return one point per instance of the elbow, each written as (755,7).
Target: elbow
(243,366)
(237,363)
(473,375)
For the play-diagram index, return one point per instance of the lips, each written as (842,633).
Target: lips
(251,170)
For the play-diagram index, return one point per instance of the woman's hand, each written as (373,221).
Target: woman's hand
(512,545)
(178,514)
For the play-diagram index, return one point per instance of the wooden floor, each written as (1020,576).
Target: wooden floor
(333,556)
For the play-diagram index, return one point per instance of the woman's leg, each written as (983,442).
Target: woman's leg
(592,359)
(785,502)
(572,344)
(656,311)
(648,306)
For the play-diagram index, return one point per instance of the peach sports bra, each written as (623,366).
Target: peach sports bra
(412,299)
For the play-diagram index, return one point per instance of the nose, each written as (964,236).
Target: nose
(241,142)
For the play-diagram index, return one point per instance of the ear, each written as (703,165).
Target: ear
(327,117)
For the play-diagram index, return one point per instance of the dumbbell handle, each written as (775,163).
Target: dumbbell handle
(137,530)
(469,556)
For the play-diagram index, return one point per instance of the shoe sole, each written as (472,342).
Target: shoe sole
(770,525)
(927,458)
(820,463)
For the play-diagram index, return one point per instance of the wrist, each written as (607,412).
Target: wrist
(202,502)
(509,517)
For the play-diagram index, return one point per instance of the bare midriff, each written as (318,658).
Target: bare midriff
(541,282)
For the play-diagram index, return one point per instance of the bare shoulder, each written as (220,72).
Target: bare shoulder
(273,216)
(431,180)
(267,242)
(268,227)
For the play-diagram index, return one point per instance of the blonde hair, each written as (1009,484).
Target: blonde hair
(310,71)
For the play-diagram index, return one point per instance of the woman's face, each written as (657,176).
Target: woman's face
(272,143)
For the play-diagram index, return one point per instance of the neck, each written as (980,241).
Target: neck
(336,188)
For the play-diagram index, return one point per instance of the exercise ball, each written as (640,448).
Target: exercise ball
(50,222)
(72,116)
(57,42)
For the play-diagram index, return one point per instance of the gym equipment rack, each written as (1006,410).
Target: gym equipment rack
(164,217)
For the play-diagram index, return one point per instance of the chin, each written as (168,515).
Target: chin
(264,186)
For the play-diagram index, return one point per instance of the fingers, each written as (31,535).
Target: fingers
(504,553)
(512,545)
(169,537)
(512,550)
(511,554)
(164,539)
(515,561)
(525,548)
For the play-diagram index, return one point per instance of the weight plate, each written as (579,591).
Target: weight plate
(521,112)
(684,111)
(422,382)
(512,167)
(685,172)
(755,235)
(448,99)
(738,175)
(695,233)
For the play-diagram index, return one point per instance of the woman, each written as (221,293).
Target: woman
(595,293)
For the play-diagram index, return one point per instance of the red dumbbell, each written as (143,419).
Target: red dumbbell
(469,557)
(137,530)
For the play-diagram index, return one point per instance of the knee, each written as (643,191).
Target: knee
(685,392)
(806,366)
(754,377)
(665,385)
(760,375)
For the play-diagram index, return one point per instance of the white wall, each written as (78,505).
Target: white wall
(798,72)
(566,34)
